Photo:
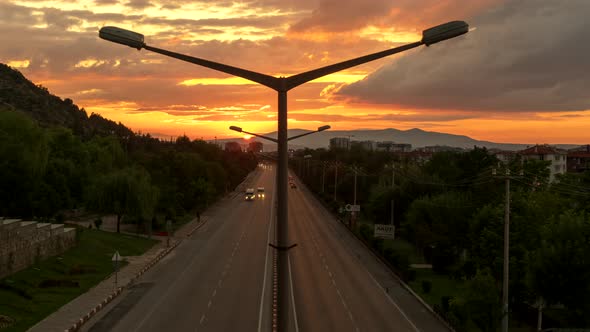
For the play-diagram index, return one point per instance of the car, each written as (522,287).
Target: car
(260,192)
(250,194)
(293,185)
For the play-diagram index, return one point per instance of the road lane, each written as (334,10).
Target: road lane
(334,289)
(213,280)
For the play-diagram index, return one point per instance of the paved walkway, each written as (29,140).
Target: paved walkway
(70,313)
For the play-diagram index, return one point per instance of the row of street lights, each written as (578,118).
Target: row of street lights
(282,85)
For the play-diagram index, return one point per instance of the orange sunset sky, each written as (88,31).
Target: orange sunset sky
(522,76)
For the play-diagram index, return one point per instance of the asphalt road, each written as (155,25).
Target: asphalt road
(212,281)
(219,279)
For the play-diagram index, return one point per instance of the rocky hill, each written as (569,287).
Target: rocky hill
(19,94)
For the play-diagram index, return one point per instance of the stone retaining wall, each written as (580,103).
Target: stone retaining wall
(22,243)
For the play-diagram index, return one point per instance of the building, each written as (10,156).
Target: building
(340,143)
(384,146)
(503,155)
(365,145)
(416,156)
(557,157)
(440,148)
(233,147)
(401,147)
(255,147)
(578,159)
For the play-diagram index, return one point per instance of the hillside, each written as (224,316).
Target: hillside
(20,94)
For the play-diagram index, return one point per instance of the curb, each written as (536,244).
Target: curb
(78,324)
(406,286)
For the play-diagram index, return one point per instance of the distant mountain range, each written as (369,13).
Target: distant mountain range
(416,137)
(20,94)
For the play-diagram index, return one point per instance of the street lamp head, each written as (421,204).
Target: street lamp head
(322,128)
(444,31)
(235,128)
(122,36)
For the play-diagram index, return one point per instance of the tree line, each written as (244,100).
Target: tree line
(45,171)
(451,209)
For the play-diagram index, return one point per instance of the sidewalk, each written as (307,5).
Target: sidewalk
(71,313)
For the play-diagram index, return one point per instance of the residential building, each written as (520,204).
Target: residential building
(255,147)
(578,159)
(340,143)
(439,148)
(503,155)
(233,146)
(401,147)
(557,157)
(384,146)
(365,145)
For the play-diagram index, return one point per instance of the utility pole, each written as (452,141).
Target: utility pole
(392,176)
(506,270)
(506,254)
(323,176)
(393,193)
(335,180)
(354,198)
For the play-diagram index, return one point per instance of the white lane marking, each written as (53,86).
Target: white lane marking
(164,296)
(209,304)
(391,300)
(364,268)
(214,292)
(266,260)
(292,295)
(202,319)
(319,252)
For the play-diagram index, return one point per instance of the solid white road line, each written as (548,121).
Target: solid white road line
(266,261)
(292,295)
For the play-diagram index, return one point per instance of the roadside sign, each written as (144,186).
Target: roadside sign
(352,208)
(116,258)
(384,231)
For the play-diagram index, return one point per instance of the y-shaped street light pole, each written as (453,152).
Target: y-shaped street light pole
(282,85)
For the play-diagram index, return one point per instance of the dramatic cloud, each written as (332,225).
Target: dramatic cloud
(527,55)
(403,15)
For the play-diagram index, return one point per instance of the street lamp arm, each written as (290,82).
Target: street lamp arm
(296,80)
(301,135)
(266,80)
(261,136)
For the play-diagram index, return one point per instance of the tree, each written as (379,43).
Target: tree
(483,302)
(126,192)
(23,160)
(559,267)
(440,222)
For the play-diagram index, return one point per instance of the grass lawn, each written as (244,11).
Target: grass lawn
(441,286)
(32,294)
(403,246)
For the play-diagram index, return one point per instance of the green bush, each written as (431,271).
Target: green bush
(426,286)
(445,303)
(98,223)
